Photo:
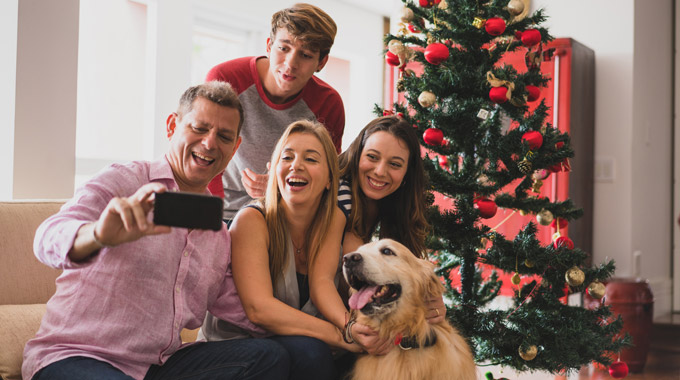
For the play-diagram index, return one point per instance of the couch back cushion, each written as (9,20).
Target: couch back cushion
(23,279)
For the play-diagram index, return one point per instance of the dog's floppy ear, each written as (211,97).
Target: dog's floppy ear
(433,286)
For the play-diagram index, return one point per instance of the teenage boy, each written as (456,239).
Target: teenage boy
(129,287)
(276,90)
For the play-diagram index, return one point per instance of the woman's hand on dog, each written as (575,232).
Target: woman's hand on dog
(436,310)
(369,340)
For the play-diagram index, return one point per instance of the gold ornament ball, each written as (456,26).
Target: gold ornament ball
(395,47)
(529,353)
(574,276)
(443,5)
(407,15)
(516,279)
(544,217)
(523,212)
(515,7)
(426,99)
(596,289)
(529,263)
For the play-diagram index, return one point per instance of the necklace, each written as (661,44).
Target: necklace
(298,251)
(300,256)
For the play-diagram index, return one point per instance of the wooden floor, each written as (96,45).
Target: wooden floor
(663,360)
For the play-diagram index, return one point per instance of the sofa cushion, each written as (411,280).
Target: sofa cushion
(18,324)
(30,281)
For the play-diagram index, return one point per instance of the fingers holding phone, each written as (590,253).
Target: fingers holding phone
(125,219)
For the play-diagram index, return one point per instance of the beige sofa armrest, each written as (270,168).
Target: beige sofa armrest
(18,324)
(23,279)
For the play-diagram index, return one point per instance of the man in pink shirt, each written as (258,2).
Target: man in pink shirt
(129,287)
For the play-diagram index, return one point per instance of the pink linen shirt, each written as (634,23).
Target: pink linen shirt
(127,304)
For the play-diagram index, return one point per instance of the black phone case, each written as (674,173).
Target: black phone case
(188,210)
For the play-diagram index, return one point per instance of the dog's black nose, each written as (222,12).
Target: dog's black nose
(351,259)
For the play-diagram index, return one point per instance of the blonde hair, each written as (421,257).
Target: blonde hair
(309,24)
(275,214)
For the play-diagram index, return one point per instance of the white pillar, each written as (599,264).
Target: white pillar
(45,118)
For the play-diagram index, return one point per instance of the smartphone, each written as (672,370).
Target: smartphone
(188,210)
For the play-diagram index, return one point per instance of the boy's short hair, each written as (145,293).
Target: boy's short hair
(309,24)
(218,92)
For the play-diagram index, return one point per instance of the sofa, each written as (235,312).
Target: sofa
(25,283)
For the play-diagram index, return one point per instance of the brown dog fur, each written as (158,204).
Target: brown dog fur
(448,359)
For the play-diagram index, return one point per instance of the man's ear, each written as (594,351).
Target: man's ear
(171,124)
(322,63)
(269,45)
(238,143)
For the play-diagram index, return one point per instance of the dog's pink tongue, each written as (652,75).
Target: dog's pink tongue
(359,299)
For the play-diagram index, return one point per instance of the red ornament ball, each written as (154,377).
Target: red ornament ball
(563,241)
(487,208)
(498,94)
(436,53)
(429,3)
(495,26)
(433,136)
(531,37)
(392,59)
(563,223)
(534,139)
(618,370)
(533,93)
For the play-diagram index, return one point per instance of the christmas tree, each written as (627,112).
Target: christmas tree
(461,104)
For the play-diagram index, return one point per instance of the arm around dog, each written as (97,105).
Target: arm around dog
(325,295)
(250,267)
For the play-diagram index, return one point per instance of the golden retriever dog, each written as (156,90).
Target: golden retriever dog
(389,289)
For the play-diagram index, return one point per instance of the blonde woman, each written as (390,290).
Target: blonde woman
(275,240)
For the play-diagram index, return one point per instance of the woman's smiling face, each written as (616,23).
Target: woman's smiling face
(382,165)
(302,170)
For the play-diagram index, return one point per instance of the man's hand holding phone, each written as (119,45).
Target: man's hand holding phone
(125,219)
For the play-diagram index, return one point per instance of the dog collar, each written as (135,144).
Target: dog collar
(409,342)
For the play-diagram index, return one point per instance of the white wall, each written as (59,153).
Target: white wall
(8,64)
(632,127)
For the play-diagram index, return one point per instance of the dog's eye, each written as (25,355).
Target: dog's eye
(387,252)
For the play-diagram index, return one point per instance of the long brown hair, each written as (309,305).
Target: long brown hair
(401,215)
(275,214)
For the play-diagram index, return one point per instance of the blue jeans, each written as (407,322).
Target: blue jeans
(310,358)
(242,359)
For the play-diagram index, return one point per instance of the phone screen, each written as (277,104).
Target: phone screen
(188,210)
